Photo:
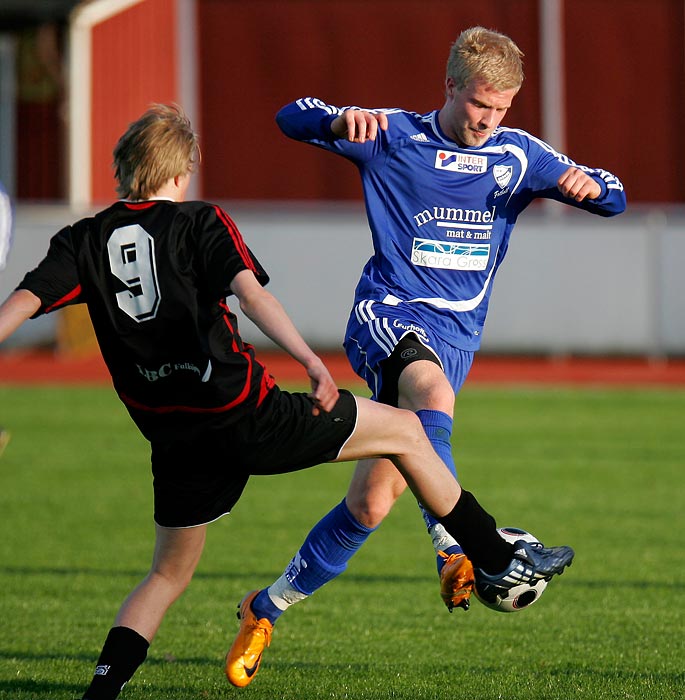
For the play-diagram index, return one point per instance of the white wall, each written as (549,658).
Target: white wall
(571,284)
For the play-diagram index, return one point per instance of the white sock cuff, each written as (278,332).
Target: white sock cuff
(283,595)
(441,538)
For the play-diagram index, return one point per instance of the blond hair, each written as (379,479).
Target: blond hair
(159,145)
(486,54)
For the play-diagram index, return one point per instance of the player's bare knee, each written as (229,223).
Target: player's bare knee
(370,509)
(174,580)
(438,397)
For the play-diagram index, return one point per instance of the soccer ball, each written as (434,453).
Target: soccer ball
(521,596)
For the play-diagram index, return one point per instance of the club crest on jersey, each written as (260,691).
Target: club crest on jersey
(460,162)
(502,174)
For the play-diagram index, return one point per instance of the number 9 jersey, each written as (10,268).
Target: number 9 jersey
(155,276)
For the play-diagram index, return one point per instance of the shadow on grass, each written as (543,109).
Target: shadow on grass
(349,577)
(101,572)
(33,690)
(91,659)
(637,681)
(265,576)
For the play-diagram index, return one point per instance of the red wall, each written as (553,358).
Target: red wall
(624,61)
(626,92)
(257,56)
(134,64)
(624,65)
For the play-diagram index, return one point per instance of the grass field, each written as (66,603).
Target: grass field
(600,470)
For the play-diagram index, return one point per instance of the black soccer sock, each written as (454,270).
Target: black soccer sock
(476,532)
(124,651)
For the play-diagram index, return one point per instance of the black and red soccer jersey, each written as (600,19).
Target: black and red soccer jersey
(155,276)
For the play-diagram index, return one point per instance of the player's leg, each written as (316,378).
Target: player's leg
(398,434)
(323,556)
(336,537)
(374,488)
(424,388)
(382,429)
(422,373)
(176,556)
(177,553)
(413,377)
(376,484)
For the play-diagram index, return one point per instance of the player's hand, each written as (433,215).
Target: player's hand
(578,185)
(324,391)
(358,126)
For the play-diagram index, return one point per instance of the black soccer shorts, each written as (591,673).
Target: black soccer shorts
(199,478)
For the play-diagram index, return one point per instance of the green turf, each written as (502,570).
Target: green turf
(601,470)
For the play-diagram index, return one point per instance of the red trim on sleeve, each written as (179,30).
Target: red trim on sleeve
(73,294)
(233,232)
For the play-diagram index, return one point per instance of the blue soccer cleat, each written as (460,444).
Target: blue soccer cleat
(531,563)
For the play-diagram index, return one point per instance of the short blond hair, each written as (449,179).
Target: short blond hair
(159,145)
(486,54)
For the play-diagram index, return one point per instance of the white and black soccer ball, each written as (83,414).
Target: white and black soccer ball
(519,597)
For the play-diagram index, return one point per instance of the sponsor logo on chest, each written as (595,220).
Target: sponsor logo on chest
(448,255)
(460,162)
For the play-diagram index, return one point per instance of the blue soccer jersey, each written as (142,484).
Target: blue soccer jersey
(441,215)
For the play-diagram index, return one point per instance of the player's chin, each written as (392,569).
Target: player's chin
(476,137)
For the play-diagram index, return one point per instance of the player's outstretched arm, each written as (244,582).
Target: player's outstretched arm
(263,309)
(17,308)
(359,126)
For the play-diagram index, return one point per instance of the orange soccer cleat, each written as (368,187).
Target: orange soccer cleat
(456,581)
(245,655)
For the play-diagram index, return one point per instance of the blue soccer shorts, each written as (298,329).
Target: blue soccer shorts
(375,329)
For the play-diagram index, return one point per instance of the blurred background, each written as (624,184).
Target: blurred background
(604,84)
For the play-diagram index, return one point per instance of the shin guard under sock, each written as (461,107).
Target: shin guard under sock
(476,532)
(324,555)
(124,651)
(328,547)
(438,428)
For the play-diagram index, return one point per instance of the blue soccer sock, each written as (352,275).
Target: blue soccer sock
(324,555)
(438,427)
